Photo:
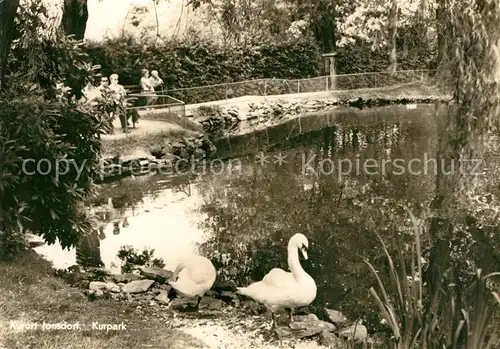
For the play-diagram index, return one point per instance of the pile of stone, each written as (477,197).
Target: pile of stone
(223,121)
(188,148)
(216,120)
(162,158)
(147,288)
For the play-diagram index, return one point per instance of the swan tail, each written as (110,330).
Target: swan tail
(243,291)
(253,291)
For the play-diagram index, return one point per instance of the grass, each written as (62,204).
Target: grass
(144,142)
(30,293)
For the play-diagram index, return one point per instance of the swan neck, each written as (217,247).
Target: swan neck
(293,261)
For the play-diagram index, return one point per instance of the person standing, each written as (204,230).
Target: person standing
(147,88)
(119,94)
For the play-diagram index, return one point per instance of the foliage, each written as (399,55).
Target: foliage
(12,245)
(451,315)
(333,25)
(368,20)
(359,57)
(246,22)
(41,121)
(132,258)
(196,63)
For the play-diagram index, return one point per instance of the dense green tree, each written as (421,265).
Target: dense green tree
(49,139)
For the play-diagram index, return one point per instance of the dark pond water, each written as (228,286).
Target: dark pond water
(344,176)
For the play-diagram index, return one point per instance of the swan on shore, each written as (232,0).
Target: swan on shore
(280,289)
(193,277)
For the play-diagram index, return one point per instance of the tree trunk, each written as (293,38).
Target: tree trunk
(75,16)
(8,11)
(442,28)
(393,31)
(422,26)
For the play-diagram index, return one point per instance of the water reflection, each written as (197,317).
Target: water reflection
(251,210)
(321,192)
(163,219)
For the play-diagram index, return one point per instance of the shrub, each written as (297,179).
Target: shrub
(39,121)
(196,63)
(132,258)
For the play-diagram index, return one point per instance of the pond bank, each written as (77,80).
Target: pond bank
(255,113)
(245,115)
(225,320)
(30,295)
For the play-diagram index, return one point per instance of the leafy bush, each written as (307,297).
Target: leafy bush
(360,58)
(12,244)
(42,121)
(132,258)
(196,63)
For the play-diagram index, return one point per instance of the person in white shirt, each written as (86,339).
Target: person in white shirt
(119,94)
(147,88)
(155,80)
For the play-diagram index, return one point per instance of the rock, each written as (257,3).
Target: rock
(76,278)
(165,287)
(158,274)
(310,325)
(185,304)
(83,284)
(162,298)
(252,307)
(357,331)
(233,113)
(125,278)
(228,296)
(211,303)
(107,286)
(138,286)
(329,340)
(336,317)
(94,294)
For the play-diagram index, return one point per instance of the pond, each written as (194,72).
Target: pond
(344,176)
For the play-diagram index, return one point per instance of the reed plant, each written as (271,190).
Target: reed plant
(453,314)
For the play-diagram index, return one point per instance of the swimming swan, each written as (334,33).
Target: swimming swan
(193,277)
(285,290)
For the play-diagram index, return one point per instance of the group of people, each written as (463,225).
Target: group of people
(110,86)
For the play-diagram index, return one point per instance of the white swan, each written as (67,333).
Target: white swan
(285,290)
(193,277)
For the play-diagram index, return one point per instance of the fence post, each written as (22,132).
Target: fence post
(298,86)
(330,68)
(226,91)
(333,74)
(300,123)
(265,87)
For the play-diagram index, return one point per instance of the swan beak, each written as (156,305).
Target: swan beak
(304,252)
